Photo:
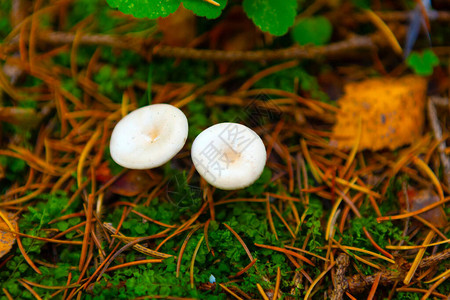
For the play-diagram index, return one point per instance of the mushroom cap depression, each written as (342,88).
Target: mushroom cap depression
(229,155)
(149,136)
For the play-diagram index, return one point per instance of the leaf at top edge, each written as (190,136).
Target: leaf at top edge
(204,9)
(273,16)
(151,9)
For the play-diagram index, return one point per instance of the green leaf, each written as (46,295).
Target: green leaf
(314,30)
(365,4)
(204,9)
(422,64)
(271,15)
(146,8)
(162,8)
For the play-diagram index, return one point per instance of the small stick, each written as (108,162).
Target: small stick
(341,284)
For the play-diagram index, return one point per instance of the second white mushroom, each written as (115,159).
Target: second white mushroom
(229,155)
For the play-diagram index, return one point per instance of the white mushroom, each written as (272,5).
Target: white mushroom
(149,136)
(229,155)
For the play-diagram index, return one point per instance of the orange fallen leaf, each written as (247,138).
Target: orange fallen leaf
(7,239)
(391,111)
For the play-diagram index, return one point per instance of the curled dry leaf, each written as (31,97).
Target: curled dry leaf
(130,184)
(419,199)
(391,113)
(7,239)
(179,28)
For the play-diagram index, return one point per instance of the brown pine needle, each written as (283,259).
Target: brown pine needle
(307,252)
(355,148)
(222,202)
(50,287)
(285,251)
(85,153)
(191,272)
(311,287)
(374,287)
(433,287)
(277,284)
(333,214)
(317,174)
(418,258)
(44,239)
(112,257)
(87,231)
(134,263)
(171,236)
(240,241)
(27,258)
(284,197)
(417,246)
(372,241)
(152,220)
(443,274)
(19,243)
(261,291)
(344,248)
(386,31)
(414,213)
(432,227)
(269,218)
(137,247)
(75,227)
(244,269)
(100,268)
(33,292)
(283,221)
(69,279)
(357,187)
(266,72)
(392,261)
(66,217)
(183,247)
(210,199)
(7,294)
(206,236)
(230,292)
(191,220)
(426,169)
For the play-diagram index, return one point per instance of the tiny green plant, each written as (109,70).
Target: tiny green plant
(269,15)
(423,63)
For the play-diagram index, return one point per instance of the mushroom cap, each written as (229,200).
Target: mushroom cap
(229,155)
(149,136)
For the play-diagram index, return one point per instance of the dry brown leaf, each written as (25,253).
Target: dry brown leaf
(7,239)
(179,28)
(419,199)
(132,183)
(391,112)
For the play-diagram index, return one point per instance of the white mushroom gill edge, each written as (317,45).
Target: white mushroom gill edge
(229,155)
(149,136)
